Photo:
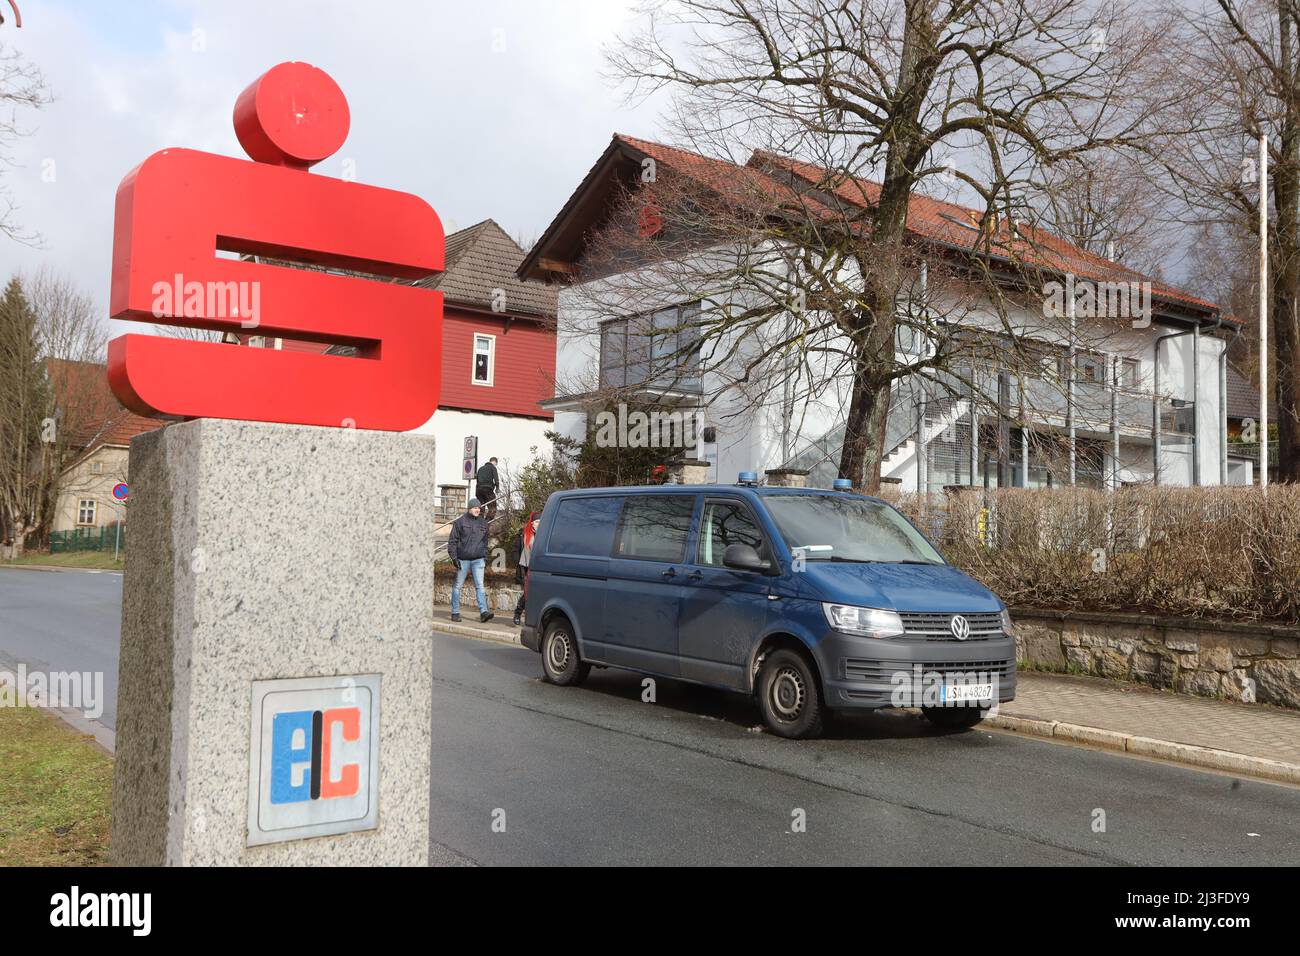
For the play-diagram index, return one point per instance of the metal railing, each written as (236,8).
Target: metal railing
(1250,450)
(108,538)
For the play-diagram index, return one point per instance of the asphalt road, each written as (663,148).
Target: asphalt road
(63,621)
(594,775)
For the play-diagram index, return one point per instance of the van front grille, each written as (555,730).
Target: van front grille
(885,672)
(938,626)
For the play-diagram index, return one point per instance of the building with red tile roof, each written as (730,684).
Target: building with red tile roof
(1181,353)
(497,361)
(96,435)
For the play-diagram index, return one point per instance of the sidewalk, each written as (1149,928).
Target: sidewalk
(1249,739)
(497,629)
(1252,739)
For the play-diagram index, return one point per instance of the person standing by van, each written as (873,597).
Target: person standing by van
(467,548)
(527,534)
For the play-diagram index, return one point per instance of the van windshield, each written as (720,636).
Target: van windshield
(830,528)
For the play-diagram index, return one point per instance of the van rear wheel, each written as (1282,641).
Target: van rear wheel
(954,718)
(789,695)
(560,663)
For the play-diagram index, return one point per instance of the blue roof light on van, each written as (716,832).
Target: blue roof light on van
(748,478)
(842,484)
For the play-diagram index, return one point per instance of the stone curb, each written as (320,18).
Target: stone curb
(462,630)
(101,736)
(1190,754)
(56,567)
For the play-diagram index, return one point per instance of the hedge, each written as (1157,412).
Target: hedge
(1224,552)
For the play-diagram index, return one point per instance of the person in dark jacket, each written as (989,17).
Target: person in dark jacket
(467,548)
(486,484)
(527,534)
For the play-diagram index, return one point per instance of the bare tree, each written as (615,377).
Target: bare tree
(68,320)
(73,347)
(22,88)
(1223,266)
(1104,204)
(1236,66)
(878,102)
(53,402)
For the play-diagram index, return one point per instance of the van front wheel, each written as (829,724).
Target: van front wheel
(560,663)
(789,696)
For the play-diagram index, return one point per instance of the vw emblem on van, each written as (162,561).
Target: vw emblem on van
(960,627)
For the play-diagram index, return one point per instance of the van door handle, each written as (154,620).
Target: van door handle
(670,572)
(695,576)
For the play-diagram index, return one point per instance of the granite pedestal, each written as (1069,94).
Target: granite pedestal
(262,552)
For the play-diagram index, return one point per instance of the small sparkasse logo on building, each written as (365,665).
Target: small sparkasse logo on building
(960,627)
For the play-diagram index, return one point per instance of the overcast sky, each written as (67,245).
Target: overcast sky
(486,108)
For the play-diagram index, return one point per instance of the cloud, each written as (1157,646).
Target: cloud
(486,109)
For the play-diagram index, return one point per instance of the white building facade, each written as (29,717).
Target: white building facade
(1136,401)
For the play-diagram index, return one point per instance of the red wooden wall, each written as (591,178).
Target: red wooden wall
(524,371)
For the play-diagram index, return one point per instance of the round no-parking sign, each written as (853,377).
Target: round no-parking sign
(120,491)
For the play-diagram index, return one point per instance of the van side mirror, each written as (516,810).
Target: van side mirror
(743,557)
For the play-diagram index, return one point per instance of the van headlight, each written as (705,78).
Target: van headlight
(1006,621)
(864,621)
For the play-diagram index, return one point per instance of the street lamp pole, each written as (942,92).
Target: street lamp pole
(1263,310)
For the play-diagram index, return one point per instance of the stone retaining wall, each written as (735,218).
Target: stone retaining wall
(500,597)
(1243,662)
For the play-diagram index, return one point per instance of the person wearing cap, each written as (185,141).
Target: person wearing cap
(467,548)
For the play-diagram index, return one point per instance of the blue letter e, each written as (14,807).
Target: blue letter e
(288,751)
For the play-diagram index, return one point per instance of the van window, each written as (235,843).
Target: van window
(833,528)
(724,523)
(654,527)
(584,526)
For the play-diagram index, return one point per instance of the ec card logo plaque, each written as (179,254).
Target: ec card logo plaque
(314,757)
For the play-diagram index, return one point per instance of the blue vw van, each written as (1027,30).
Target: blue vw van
(811,600)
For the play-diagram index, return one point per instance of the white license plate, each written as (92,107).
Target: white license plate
(956,693)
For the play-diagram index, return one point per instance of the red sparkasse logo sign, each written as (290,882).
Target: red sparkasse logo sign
(180,208)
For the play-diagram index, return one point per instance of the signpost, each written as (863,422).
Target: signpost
(120,493)
(469,467)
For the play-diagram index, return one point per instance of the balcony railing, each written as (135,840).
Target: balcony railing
(1046,401)
(1250,450)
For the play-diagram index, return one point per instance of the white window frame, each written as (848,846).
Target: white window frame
(491,359)
(641,347)
(1087,358)
(94,512)
(1130,373)
(96,467)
